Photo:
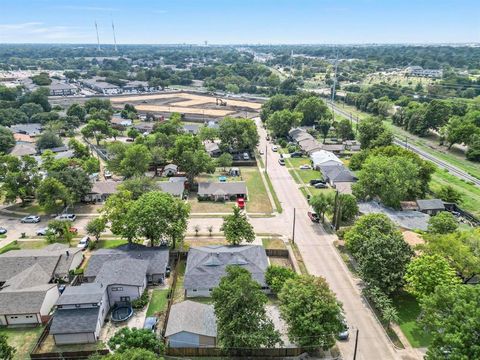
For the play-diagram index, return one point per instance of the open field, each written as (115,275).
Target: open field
(396,78)
(22,339)
(186,110)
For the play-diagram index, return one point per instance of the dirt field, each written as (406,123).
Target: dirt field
(186,110)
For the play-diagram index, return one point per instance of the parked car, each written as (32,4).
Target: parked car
(44,231)
(313,216)
(83,243)
(305,167)
(281,161)
(32,219)
(267,138)
(246,156)
(343,335)
(129,140)
(261,152)
(3,231)
(65,217)
(316,181)
(320,186)
(150,323)
(296,154)
(107,174)
(241,203)
(274,148)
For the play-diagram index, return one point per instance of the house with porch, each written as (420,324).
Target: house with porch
(101,190)
(222,191)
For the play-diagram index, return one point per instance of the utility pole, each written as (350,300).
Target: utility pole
(293,230)
(356,344)
(335,211)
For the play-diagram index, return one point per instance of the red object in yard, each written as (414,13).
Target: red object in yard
(241,203)
(73,230)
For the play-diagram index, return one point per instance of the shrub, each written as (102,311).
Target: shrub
(282,143)
(141,302)
(276,276)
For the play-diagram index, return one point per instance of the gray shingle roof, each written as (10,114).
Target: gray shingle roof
(206,265)
(29,129)
(21,149)
(23,301)
(125,272)
(172,188)
(104,187)
(86,293)
(337,173)
(32,276)
(157,258)
(74,321)
(220,188)
(430,204)
(192,317)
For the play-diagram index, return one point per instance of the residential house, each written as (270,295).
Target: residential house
(222,191)
(101,86)
(174,188)
(191,128)
(27,289)
(206,266)
(33,129)
(23,149)
(58,88)
(144,127)
(337,149)
(338,176)
(309,146)
(120,123)
(170,170)
(324,158)
(430,206)
(101,190)
(191,324)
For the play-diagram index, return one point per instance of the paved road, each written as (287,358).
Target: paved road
(440,163)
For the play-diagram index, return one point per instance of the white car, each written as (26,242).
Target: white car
(83,243)
(44,231)
(107,174)
(261,152)
(305,167)
(65,217)
(31,219)
(274,148)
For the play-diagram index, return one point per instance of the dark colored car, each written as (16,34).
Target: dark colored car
(150,323)
(317,181)
(296,154)
(313,216)
(320,186)
(3,231)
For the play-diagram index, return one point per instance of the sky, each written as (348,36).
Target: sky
(240,21)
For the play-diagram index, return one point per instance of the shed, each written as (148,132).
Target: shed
(170,170)
(430,206)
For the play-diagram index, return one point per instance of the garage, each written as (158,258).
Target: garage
(23,319)
(79,338)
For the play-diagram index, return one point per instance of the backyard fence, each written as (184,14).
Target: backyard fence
(215,352)
(171,292)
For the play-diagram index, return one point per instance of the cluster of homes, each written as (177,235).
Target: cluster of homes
(99,85)
(324,158)
(421,72)
(29,288)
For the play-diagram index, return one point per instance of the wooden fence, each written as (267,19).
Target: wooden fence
(173,286)
(215,352)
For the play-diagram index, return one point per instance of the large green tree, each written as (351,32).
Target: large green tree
(276,276)
(452,316)
(380,251)
(281,122)
(96,227)
(6,140)
(238,134)
(19,178)
(322,203)
(97,129)
(136,160)
(127,338)
(373,133)
(76,180)
(116,210)
(239,305)
(344,130)
(442,223)
(311,311)
(7,352)
(313,109)
(237,228)
(426,272)
(129,354)
(50,192)
(48,140)
(78,111)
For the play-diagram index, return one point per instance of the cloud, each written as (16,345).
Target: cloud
(19,26)
(86,8)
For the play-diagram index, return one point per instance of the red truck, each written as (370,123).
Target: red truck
(313,216)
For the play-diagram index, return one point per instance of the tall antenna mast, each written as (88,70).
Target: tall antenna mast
(114,37)
(98,38)
(335,78)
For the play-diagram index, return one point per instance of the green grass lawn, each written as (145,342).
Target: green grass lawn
(21,245)
(471,193)
(33,208)
(109,244)
(158,302)
(179,294)
(278,205)
(408,312)
(273,243)
(297,162)
(22,339)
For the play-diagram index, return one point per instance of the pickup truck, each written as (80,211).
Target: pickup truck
(313,216)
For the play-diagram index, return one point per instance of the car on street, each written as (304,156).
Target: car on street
(44,231)
(261,152)
(313,216)
(274,148)
(150,323)
(320,186)
(305,167)
(3,231)
(66,217)
(281,161)
(316,181)
(343,334)
(83,243)
(31,219)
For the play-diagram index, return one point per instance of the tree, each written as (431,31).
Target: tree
(311,311)
(380,251)
(7,352)
(61,231)
(133,133)
(373,133)
(452,316)
(116,210)
(127,338)
(48,140)
(276,276)
(91,165)
(76,180)
(31,109)
(41,79)
(238,134)
(18,178)
(322,203)
(96,227)
(225,160)
(426,272)
(97,129)
(207,133)
(136,160)
(344,130)
(458,131)
(78,111)
(281,122)
(237,228)
(159,217)
(129,354)
(348,207)
(275,103)
(7,140)
(448,193)
(324,127)
(38,96)
(442,223)
(80,151)
(138,186)
(239,305)
(50,192)
(473,151)
(391,179)
(96,104)
(313,109)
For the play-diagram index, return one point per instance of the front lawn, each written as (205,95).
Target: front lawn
(273,243)
(110,244)
(22,339)
(23,245)
(297,162)
(307,175)
(408,312)
(158,302)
